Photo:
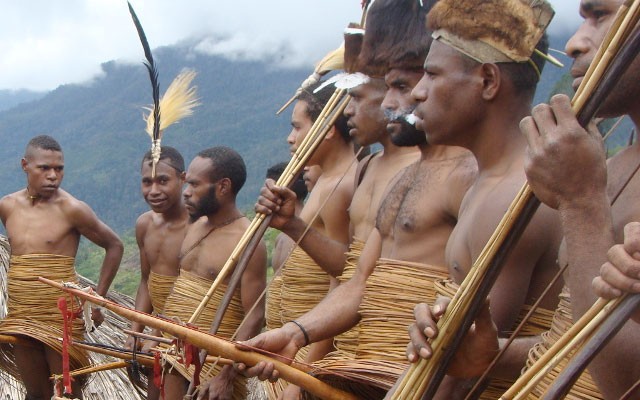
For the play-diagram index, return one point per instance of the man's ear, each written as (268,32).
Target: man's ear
(331,133)
(23,164)
(224,186)
(183,176)
(491,80)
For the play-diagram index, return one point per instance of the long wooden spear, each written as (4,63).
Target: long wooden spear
(424,377)
(214,345)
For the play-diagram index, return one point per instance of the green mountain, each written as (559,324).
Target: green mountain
(99,125)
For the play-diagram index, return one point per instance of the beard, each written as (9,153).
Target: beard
(401,132)
(206,206)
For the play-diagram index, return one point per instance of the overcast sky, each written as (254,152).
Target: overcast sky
(46,43)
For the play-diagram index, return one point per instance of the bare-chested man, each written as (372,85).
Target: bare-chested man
(367,125)
(421,206)
(159,233)
(476,98)
(214,178)
(44,224)
(566,169)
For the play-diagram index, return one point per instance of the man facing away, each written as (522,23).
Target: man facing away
(44,224)
(159,234)
(214,178)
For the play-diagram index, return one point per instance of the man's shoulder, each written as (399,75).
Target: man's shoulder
(11,197)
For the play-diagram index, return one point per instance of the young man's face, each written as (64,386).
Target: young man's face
(164,191)
(45,170)
(200,196)
(364,112)
(301,123)
(398,104)
(582,46)
(447,96)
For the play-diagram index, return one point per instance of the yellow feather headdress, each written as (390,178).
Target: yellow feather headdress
(178,102)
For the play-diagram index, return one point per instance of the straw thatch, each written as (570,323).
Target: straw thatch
(108,385)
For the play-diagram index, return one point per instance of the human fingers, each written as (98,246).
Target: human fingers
(563,113)
(621,260)
(426,321)
(270,193)
(530,131)
(632,239)
(614,282)
(418,344)
(603,289)
(544,119)
(440,306)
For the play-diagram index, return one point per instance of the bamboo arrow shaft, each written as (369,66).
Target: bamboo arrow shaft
(614,322)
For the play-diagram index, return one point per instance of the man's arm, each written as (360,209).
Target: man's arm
(335,314)
(143,299)
(532,260)
(567,170)
(280,203)
(91,227)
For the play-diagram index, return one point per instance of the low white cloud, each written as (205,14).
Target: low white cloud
(46,43)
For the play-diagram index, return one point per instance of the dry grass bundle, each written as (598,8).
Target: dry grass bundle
(540,321)
(33,306)
(392,291)
(105,385)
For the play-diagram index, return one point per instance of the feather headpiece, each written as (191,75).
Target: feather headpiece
(177,102)
(334,60)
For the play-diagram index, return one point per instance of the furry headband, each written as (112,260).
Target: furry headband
(491,31)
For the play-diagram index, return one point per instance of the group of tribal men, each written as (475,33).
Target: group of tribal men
(430,199)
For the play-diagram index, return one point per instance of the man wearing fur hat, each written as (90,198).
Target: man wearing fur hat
(479,83)
(566,169)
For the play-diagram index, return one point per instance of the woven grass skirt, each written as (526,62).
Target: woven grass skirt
(33,307)
(188,291)
(585,388)
(392,291)
(159,288)
(300,287)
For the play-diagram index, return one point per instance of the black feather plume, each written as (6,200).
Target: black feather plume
(153,73)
